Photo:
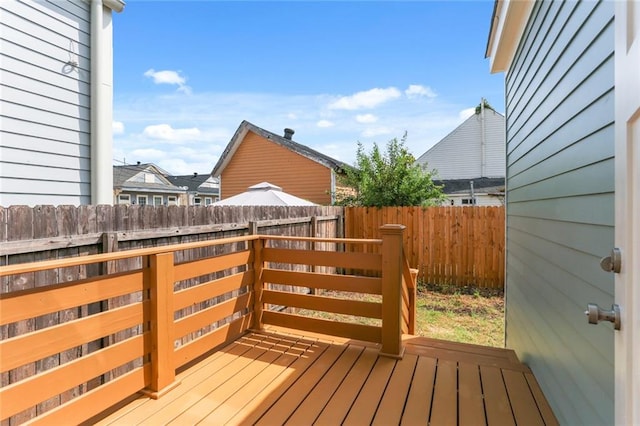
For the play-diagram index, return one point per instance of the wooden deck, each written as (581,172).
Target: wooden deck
(282,377)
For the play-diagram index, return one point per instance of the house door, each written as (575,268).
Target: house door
(627,217)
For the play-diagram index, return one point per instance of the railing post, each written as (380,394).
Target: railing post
(163,373)
(392,290)
(258,284)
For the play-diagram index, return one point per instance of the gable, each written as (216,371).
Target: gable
(259,159)
(246,127)
(460,154)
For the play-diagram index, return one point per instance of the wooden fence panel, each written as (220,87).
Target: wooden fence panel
(447,245)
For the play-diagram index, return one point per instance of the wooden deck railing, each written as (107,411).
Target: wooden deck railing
(161,329)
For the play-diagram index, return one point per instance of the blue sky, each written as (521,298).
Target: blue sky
(187,73)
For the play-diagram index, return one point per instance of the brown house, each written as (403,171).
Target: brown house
(255,155)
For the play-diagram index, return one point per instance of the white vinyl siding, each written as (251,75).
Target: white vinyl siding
(560,209)
(481,200)
(459,154)
(45,102)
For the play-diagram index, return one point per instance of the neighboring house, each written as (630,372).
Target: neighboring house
(573,194)
(145,184)
(56,80)
(475,192)
(202,190)
(255,155)
(472,152)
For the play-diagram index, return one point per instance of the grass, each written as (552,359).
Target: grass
(460,314)
(467,314)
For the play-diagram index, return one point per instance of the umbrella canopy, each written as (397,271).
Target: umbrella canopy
(264,194)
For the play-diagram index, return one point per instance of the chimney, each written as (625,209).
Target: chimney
(195,174)
(138,163)
(288,133)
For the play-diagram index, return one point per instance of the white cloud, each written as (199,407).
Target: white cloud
(117,127)
(377,131)
(366,118)
(169,77)
(324,123)
(367,99)
(168,133)
(292,116)
(417,90)
(466,113)
(192,132)
(146,155)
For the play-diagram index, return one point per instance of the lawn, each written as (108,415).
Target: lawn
(467,314)
(460,314)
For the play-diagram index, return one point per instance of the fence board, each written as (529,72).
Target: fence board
(448,245)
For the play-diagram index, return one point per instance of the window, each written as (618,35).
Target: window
(142,200)
(124,199)
(469,201)
(197,201)
(208,201)
(157,200)
(172,200)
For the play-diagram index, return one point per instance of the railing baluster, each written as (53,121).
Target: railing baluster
(392,290)
(258,283)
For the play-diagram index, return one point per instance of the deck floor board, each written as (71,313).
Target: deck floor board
(279,376)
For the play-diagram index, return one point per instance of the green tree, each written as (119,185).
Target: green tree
(392,178)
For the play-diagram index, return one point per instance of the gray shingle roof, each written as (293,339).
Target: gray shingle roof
(122,174)
(193,182)
(456,186)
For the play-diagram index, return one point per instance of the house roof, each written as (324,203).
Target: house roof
(264,194)
(123,174)
(296,147)
(459,186)
(194,183)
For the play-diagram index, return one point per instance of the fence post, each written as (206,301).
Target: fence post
(163,373)
(392,290)
(258,283)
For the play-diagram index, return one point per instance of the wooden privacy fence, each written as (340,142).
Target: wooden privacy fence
(167,326)
(447,245)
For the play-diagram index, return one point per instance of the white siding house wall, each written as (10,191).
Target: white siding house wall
(45,102)
(560,205)
(459,154)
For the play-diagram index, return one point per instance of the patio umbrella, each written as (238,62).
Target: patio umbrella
(264,194)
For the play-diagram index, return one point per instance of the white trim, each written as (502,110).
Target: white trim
(115,5)
(509,22)
(101,104)
(155,197)
(627,208)
(142,197)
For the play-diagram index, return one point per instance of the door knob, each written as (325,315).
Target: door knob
(595,315)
